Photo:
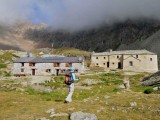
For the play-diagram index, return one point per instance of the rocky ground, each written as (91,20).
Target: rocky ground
(100,96)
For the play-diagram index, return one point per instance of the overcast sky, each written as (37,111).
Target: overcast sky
(76,14)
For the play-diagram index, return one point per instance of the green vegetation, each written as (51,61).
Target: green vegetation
(105,99)
(58,82)
(6,56)
(2,65)
(112,78)
(148,90)
(71,52)
(64,51)
(134,82)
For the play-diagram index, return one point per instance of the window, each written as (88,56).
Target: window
(104,57)
(56,64)
(22,64)
(96,63)
(151,59)
(96,57)
(22,70)
(70,64)
(48,70)
(130,63)
(32,64)
(104,63)
(76,70)
(63,71)
(136,56)
(67,65)
(117,56)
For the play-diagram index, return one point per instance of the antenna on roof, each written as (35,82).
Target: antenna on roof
(52,47)
(28,54)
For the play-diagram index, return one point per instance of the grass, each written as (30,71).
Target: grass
(95,69)
(64,51)
(6,56)
(71,52)
(134,82)
(32,104)
(2,65)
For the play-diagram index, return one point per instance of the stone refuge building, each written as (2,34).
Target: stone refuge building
(129,60)
(46,65)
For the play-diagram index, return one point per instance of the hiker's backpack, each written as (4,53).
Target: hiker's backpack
(68,78)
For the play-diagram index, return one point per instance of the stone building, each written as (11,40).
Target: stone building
(129,60)
(46,65)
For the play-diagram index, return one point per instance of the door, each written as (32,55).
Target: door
(33,71)
(119,65)
(107,64)
(57,72)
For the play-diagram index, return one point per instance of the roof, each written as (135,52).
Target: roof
(125,52)
(49,60)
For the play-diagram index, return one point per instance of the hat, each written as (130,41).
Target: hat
(71,69)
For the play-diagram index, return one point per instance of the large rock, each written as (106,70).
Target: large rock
(91,81)
(83,116)
(153,79)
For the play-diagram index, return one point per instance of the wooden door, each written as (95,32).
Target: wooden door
(33,71)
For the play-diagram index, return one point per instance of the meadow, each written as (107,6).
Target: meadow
(104,97)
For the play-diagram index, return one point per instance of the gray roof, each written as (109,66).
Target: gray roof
(125,52)
(49,60)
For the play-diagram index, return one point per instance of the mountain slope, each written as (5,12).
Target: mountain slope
(13,37)
(152,43)
(129,34)
(99,39)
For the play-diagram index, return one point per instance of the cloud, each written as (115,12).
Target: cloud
(76,14)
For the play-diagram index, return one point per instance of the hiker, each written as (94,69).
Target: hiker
(71,85)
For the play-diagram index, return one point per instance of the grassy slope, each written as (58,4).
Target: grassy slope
(64,51)
(31,104)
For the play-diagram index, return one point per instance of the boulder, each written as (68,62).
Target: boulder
(153,79)
(83,116)
(91,81)
(133,104)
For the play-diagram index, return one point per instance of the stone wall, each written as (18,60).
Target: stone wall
(141,63)
(45,68)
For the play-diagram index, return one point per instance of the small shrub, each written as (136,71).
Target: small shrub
(31,91)
(116,90)
(2,65)
(7,74)
(148,90)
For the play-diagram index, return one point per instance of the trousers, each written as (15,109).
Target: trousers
(70,92)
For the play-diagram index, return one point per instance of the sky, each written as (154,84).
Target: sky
(76,15)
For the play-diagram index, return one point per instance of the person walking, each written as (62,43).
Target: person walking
(71,86)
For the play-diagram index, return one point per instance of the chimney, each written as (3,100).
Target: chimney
(80,59)
(110,50)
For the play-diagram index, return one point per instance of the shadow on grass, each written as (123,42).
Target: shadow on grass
(59,100)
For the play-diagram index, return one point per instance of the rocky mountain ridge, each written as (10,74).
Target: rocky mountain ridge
(99,39)
(13,36)
(129,34)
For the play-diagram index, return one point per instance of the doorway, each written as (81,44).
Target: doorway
(33,71)
(107,64)
(119,65)
(57,72)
